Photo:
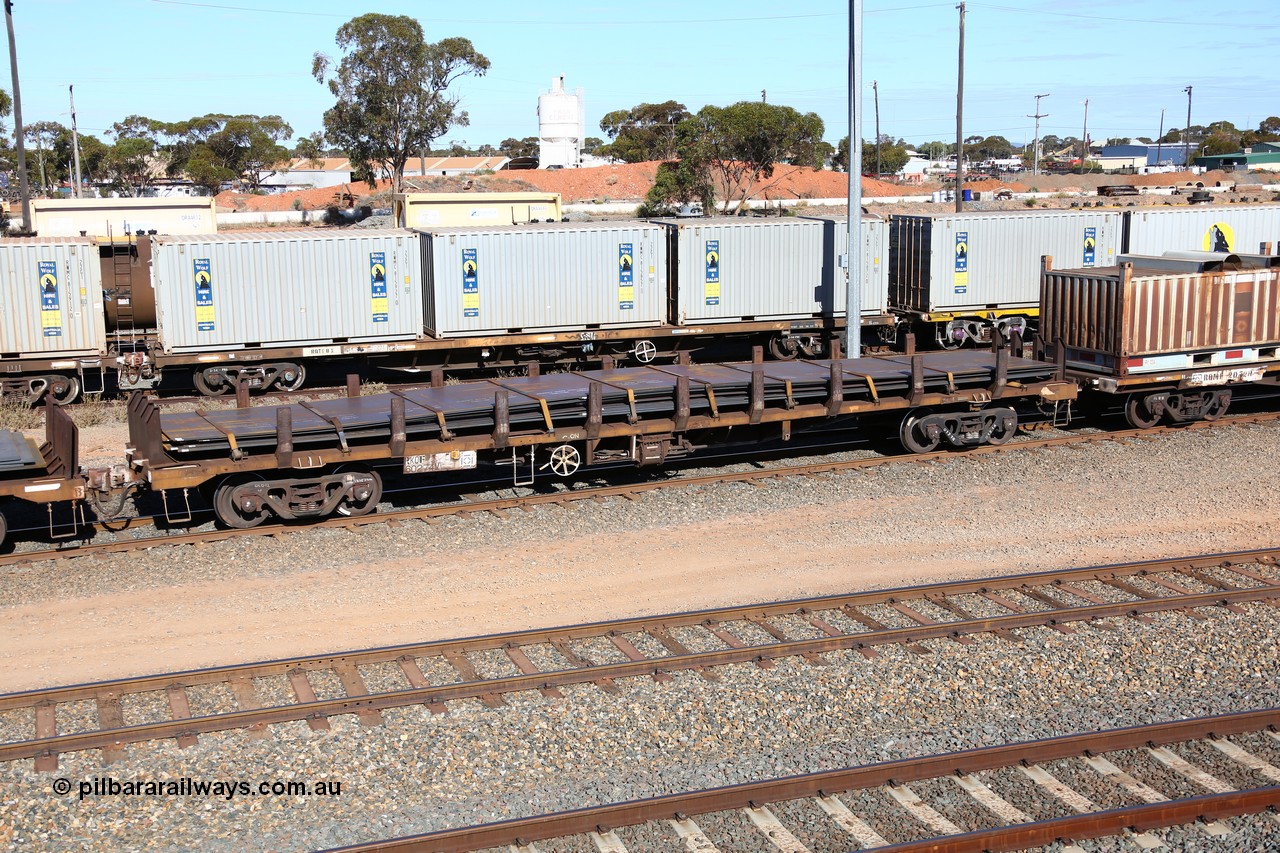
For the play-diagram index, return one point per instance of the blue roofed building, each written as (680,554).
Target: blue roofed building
(1138,156)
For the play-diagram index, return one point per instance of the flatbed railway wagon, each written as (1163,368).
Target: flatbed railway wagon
(330,457)
(1171,338)
(42,474)
(959,277)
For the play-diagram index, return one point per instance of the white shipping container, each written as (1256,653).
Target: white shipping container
(1242,230)
(118,217)
(748,269)
(975,261)
(287,288)
(874,283)
(50,298)
(548,277)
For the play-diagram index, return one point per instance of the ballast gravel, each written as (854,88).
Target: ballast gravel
(421,771)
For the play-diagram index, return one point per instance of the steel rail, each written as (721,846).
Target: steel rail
(499,505)
(522,831)
(631,625)
(683,660)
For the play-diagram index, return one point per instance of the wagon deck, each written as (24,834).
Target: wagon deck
(495,413)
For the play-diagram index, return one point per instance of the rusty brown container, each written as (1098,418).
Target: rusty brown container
(1127,319)
(130,300)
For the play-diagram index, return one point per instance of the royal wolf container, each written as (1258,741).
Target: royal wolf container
(729,269)
(50,298)
(286,288)
(118,217)
(544,277)
(874,294)
(974,261)
(1238,229)
(458,210)
(1128,319)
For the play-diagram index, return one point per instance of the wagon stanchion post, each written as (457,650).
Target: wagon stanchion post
(757,355)
(284,437)
(398,432)
(437,377)
(909,343)
(353,385)
(1002,373)
(835,394)
(757,392)
(607,362)
(837,348)
(683,359)
(242,393)
(533,369)
(502,418)
(595,409)
(917,379)
(1060,358)
(682,403)
(1016,344)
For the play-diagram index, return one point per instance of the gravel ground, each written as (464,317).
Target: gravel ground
(421,771)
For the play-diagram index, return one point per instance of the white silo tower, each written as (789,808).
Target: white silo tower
(561,126)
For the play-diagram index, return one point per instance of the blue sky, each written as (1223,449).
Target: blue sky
(172,59)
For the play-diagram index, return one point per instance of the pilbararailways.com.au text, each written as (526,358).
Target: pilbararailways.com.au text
(185,786)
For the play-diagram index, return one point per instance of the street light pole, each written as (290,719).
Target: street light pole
(960,119)
(1186,136)
(1084,137)
(853,259)
(875,88)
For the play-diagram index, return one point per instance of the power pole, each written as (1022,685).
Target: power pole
(875,88)
(1186,136)
(75,140)
(23,187)
(1159,144)
(764,96)
(960,119)
(1084,139)
(853,260)
(1035,170)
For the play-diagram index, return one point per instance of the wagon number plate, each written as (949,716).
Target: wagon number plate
(1222,377)
(457,460)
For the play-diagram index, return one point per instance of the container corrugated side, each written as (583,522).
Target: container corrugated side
(549,277)
(293,288)
(50,298)
(970,262)
(741,269)
(874,285)
(1124,316)
(1244,229)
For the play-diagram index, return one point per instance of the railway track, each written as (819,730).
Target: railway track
(1045,810)
(500,506)
(183,705)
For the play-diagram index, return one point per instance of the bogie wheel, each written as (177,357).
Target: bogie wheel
(914,438)
(784,349)
(369,497)
(1001,434)
(1137,414)
(63,390)
(234,513)
(4,528)
(291,378)
(565,460)
(1215,404)
(210,384)
(645,351)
